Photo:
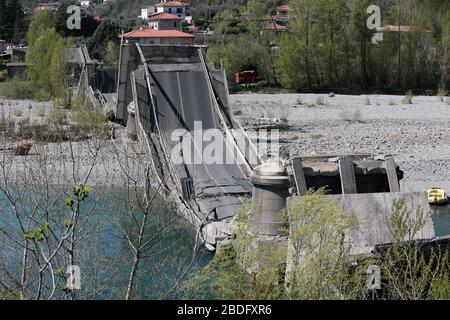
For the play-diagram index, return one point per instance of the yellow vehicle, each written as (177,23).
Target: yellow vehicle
(437,196)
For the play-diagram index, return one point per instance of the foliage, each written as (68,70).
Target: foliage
(319,265)
(86,116)
(245,269)
(408,272)
(318,228)
(42,20)
(111,56)
(251,56)
(12,20)
(330,47)
(46,65)
(107,31)
(17,89)
(408,99)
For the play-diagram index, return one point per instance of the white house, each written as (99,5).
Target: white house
(177,8)
(157,37)
(85,3)
(164,21)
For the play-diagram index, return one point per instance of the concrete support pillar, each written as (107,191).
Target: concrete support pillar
(131,122)
(270,190)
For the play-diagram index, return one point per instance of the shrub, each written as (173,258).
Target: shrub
(442,94)
(86,116)
(408,99)
(3,75)
(57,116)
(18,112)
(17,89)
(357,116)
(39,111)
(320,101)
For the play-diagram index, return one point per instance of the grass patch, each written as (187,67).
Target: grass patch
(3,75)
(39,111)
(408,99)
(86,116)
(17,89)
(356,116)
(18,112)
(442,94)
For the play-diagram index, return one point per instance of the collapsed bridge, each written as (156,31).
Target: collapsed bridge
(169,96)
(165,92)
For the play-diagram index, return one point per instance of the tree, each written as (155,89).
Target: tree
(106,31)
(42,20)
(361,35)
(296,66)
(3,18)
(46,65)
(111,56)
(445,49)
(16,20)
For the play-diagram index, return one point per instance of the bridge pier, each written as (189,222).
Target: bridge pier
(131,122)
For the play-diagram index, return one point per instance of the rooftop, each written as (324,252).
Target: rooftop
(393,28)
(152,33)
(284,7)
(276,27)
(169,4)
(163,16)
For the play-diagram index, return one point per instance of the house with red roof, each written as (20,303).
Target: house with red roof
(282,16)
(157,37)
(177,8)
(50,6)
(164,21)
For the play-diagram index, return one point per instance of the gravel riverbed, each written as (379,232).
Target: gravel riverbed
(416,134)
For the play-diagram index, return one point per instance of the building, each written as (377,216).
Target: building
(164,21)
(177,8)
(402,29)
(85,3)
(152,36)
(282,16)
(275,28)
(51,6)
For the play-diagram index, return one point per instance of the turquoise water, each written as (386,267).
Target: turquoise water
(441,220)
(104,256)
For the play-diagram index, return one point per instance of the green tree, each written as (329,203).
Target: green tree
(111,56)
(445,49)
(42,20)
(297,64)
(46,65)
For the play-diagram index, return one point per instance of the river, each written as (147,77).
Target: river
(104,256)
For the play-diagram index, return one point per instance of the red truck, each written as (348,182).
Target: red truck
(246,77)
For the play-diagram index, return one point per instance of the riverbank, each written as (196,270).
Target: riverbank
(109,160)
(416,134)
